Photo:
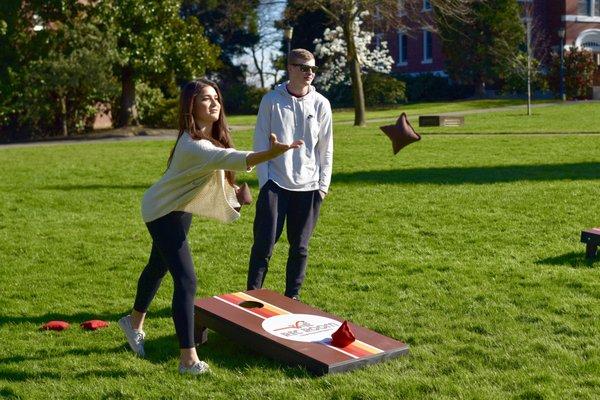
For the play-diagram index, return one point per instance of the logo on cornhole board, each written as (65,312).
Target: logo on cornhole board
(301,327)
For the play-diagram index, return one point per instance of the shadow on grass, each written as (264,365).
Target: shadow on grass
(224,352)
(10,374)
(94,186)
(476,175)
(74,319)
(220,352)
(572,259)
(435,175)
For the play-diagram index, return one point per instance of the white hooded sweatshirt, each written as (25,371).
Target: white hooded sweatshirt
(306,118)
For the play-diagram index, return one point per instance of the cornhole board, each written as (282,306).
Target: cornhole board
(591,238)
(441,120)
(290,331)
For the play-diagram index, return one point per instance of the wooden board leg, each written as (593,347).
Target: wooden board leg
(591,250)
(200,335)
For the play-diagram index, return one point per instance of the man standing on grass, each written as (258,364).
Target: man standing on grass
(292,186)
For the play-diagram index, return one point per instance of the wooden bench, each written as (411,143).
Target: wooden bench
(441,120)
(591,238)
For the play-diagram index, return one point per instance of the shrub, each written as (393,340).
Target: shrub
(382,89)
(429,87)
(154,110)
(242,99)
(516,78)
(379,90)
(579,68)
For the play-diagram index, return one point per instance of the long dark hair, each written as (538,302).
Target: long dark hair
(219,135)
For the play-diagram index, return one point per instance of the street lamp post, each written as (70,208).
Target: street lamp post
(561,35)
(288,31)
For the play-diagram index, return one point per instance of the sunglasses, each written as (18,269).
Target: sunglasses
(307,68)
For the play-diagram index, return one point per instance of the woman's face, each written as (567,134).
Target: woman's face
(206,106)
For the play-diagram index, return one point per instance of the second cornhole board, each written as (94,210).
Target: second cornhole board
(441,120)
(290,331)
(591,237)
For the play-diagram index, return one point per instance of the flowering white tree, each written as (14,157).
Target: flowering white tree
(333,49)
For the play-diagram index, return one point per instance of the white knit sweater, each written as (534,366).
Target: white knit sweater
(195,182)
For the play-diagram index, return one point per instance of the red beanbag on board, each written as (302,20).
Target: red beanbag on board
(343,336)
(94,324)
(55,326)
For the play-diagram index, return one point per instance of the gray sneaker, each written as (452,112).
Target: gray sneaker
(135,338)
(197,369)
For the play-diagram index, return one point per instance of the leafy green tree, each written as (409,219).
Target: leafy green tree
(480,50)
(67,83)
(58,68)
(233,27)
(156,44)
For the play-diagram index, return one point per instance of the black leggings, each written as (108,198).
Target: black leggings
(171,252)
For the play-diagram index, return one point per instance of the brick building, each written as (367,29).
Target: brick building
(417,49)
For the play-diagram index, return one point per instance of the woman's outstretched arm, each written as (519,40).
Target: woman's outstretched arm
(276,150)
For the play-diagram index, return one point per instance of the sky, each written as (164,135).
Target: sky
(269,11)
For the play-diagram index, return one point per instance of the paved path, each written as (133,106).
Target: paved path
(162,134)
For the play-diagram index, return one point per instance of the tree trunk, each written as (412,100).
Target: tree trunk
(355,75)
(127,110)
(528,67)
(63,114)
(480,88)
(259,66)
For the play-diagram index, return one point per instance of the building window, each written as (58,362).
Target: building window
(584,7)
(426,5)
(597,8)
(402,48)
(427,47)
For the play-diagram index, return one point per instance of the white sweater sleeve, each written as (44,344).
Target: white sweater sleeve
(262,132)
(325,149)
(215,158)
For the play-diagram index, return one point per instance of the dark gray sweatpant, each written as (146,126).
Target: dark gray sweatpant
(273,207)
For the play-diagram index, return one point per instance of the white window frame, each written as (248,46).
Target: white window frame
(425,60)
(401,34)
(579,18)
(588,35)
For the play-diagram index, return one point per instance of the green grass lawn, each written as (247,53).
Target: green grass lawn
(347,116)
(464,246)
(579,118)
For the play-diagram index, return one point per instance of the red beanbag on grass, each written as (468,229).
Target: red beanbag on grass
(94,324)
(343,336)
(55,326)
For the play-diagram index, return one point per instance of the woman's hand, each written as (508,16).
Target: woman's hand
(279,148)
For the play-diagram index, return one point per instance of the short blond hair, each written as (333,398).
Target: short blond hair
(299,55)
